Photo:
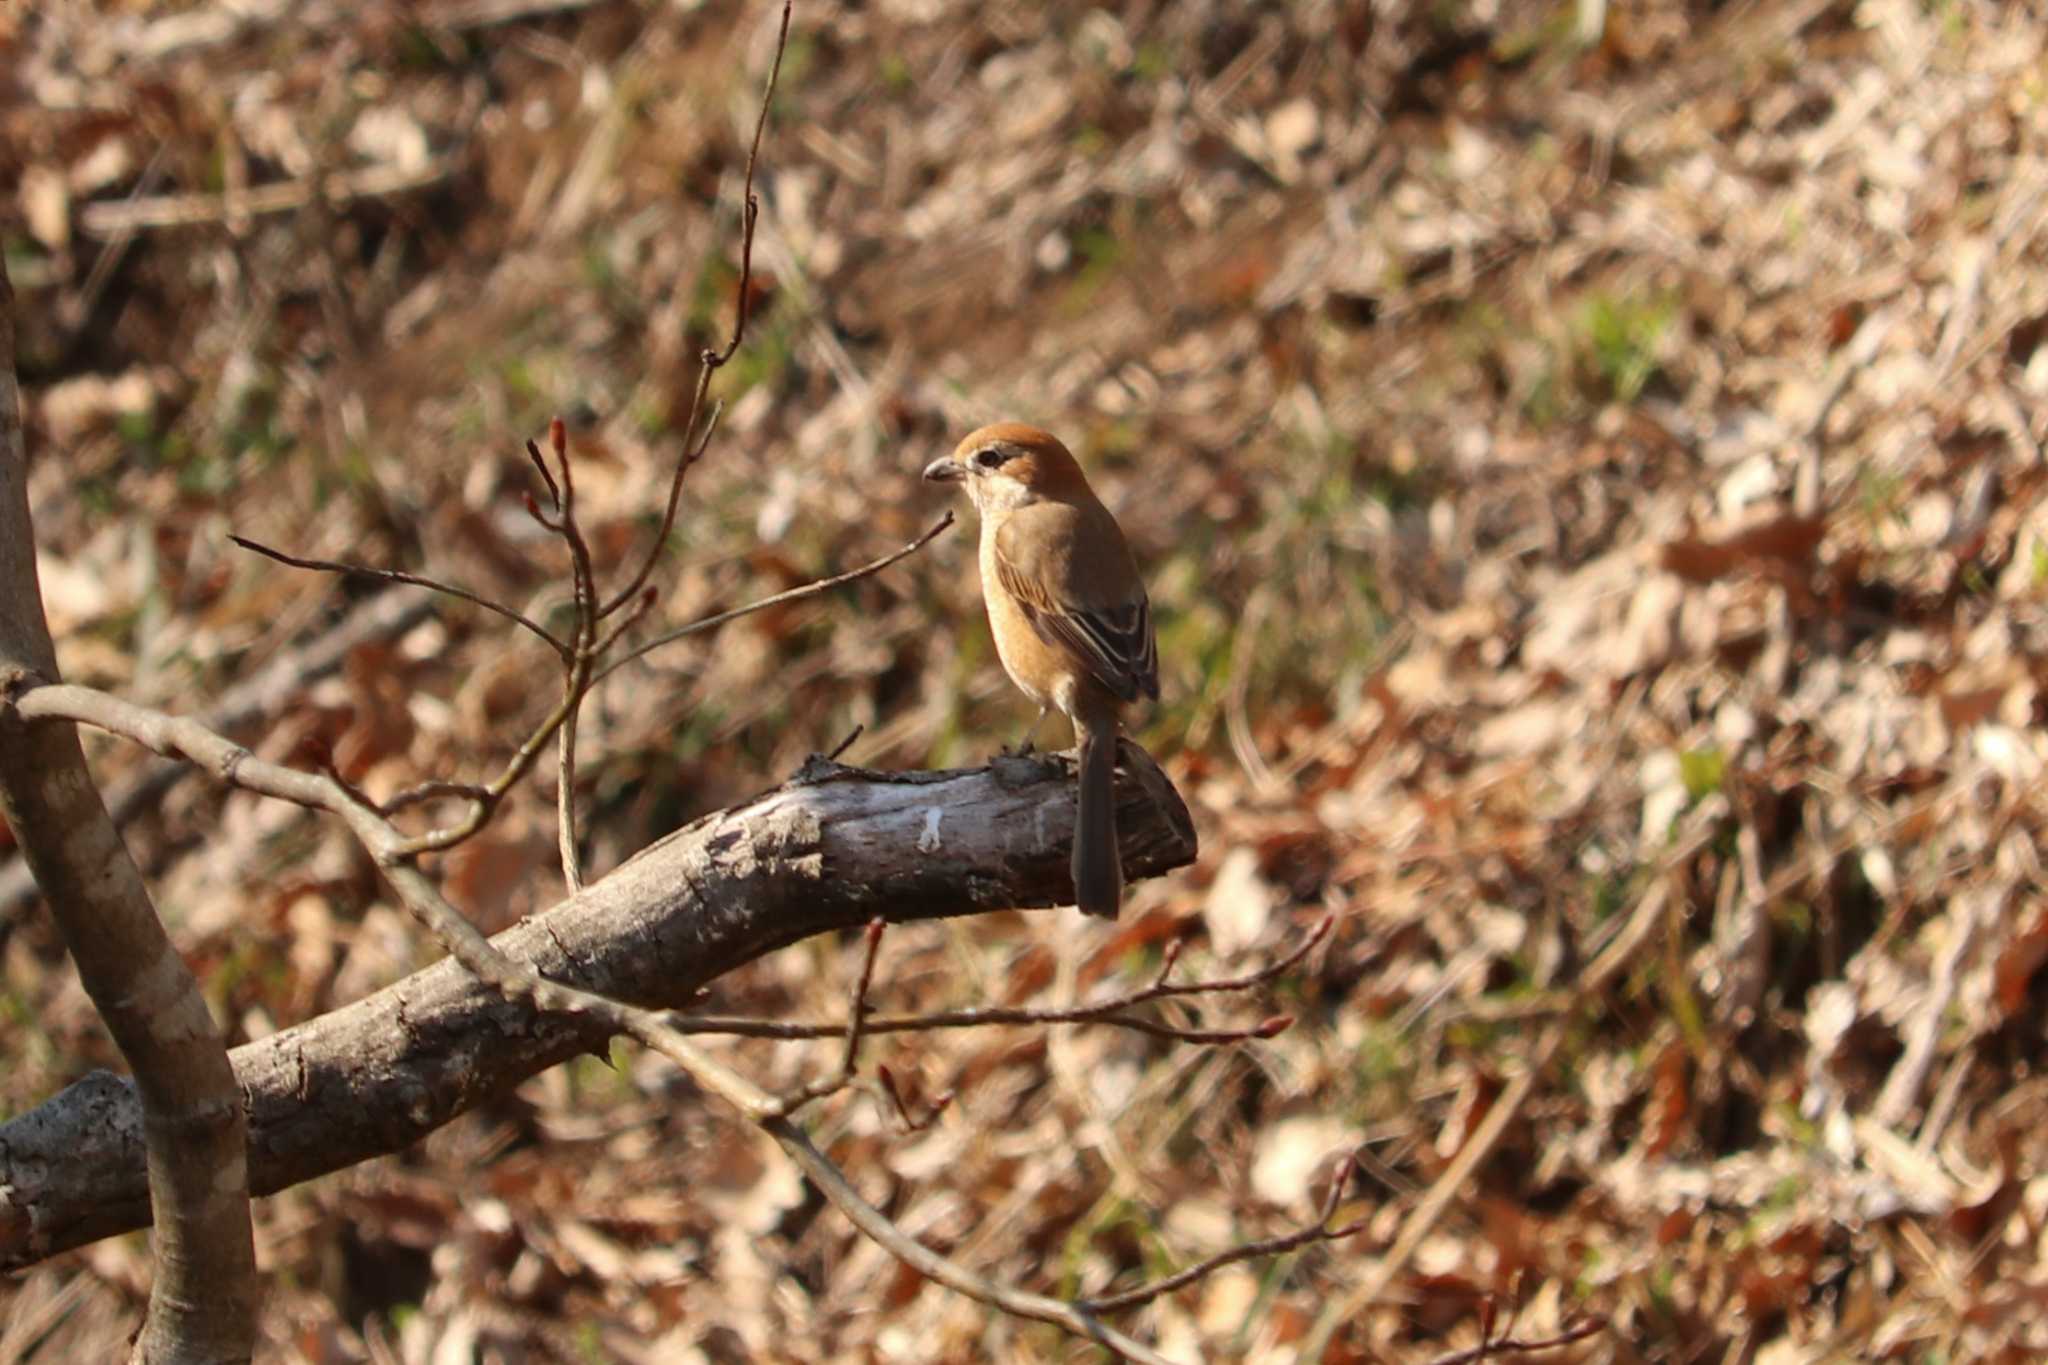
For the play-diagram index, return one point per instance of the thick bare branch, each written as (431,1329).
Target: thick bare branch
(831,849)
(203,1299)
(532,983)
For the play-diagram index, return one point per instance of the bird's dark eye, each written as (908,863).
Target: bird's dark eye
(988,457)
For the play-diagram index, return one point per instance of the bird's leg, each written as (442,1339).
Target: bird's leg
(1025,746)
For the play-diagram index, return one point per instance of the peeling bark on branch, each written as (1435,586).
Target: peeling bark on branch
(833,848)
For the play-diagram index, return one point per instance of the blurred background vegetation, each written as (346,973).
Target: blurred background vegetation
(1546,429)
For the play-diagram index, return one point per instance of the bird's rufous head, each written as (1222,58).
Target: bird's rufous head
(1009,463)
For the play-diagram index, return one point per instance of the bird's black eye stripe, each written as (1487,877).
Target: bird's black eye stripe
(988,457)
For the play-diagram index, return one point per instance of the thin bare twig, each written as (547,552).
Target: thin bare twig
(547,523)
(565,794)
(1577,1331)
(740,1026)
(843,745)
(484,798)
(577,685)
(879,1227)
(856,1012)
(796,594)
(435,790)
(546,477)
(909,1122)
(576,680)
(401,576)
(710,361)
(583,575)
(648,597)
(1113,1011)
(1318,1231)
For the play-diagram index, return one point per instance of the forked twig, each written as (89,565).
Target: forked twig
(554,493)
(585,654)
(856,1011)
(908,1122)
(485,797)
(648,597)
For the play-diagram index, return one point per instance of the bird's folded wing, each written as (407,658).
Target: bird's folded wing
(1115,642)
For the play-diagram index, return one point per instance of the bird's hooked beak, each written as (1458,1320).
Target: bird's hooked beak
(945,469)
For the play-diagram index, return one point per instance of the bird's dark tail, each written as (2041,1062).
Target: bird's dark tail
(1098,869)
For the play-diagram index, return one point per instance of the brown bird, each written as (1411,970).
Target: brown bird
(1069,614)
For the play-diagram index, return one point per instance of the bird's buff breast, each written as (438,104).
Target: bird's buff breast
(1012,630)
